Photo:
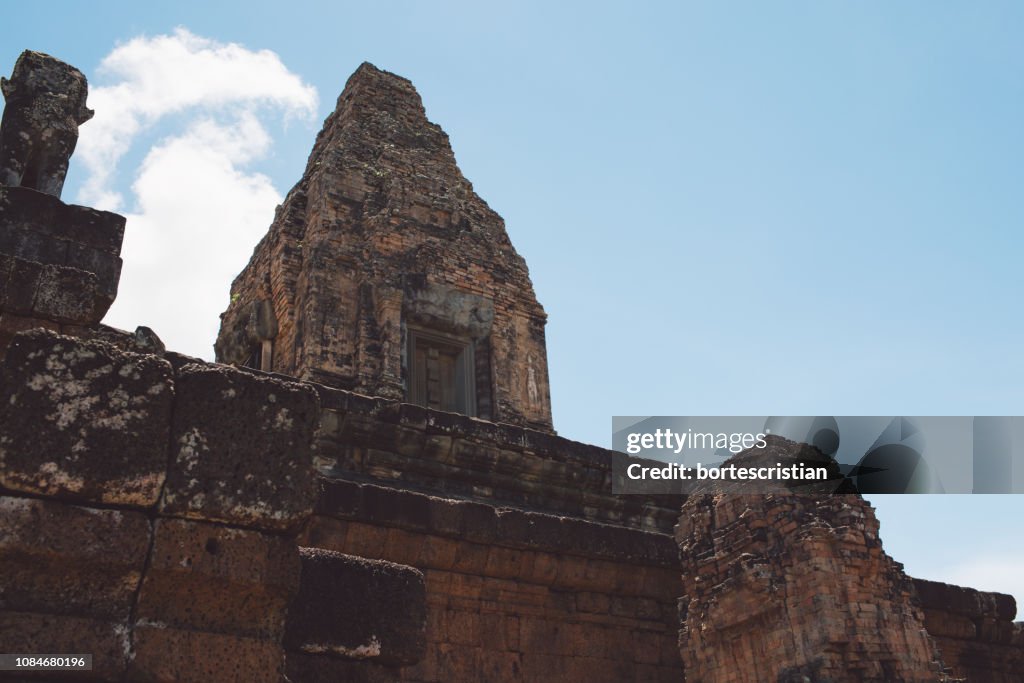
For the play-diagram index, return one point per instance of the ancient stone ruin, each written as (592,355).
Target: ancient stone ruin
(384,273)
(45,105)
(371,489)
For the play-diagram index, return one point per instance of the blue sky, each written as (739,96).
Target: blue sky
(727,208)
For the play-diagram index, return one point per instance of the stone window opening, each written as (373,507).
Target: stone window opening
(261,355)
(441,372)
(267,355)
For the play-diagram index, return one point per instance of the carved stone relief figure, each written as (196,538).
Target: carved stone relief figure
(532,393)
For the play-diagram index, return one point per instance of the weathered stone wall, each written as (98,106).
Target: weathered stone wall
(195,486)
(794,588)
(149,517)
(409,447)
(382,235)
(514,595)
(797,587)
(59,263)
(533,569)
(975,631)
(154,506)
(544,573)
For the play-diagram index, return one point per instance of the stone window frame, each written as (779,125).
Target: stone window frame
(465,365)
(260,356)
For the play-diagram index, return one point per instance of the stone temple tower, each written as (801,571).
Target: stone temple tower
(384,273)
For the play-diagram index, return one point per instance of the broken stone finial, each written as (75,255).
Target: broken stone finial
(147,341)
(45,105)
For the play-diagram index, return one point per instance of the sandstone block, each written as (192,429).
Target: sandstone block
(69,295)
(23,209)
(802,596)
(500,666)
(104,265)
(77,248)
(487,524)
(402,508)
(32,246)
(967,602)
(64,559)
(354,608)
(241,449)
(83,420)
(68,576)
(456,663)
(211,578)
(11,324)
(19,280)
(106,641)
(169,655)
(947,625)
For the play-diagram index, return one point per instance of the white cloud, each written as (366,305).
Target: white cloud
(166,75)
(198,209)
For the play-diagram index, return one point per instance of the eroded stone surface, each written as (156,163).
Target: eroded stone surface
(455,456)
(66,295)
(241,449)
(217,579)
(354,608)
(68,577)
(83,420)
(212,604)
(974,630)
(57,262)
(163,653)
(45,105)
(487,525)
(107,642)
(789,587)
(320,669)
(382,236)
(11,324)
(30,216)
(66,559)
(512,593)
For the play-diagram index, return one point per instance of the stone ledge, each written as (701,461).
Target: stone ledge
(459,456)
(25,209)
(357,609)
(513,437)
(967,602)
(62,261)
(487,524)
(62,294)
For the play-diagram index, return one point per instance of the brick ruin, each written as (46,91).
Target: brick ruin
(775,580)
(384,273)
(317,517)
